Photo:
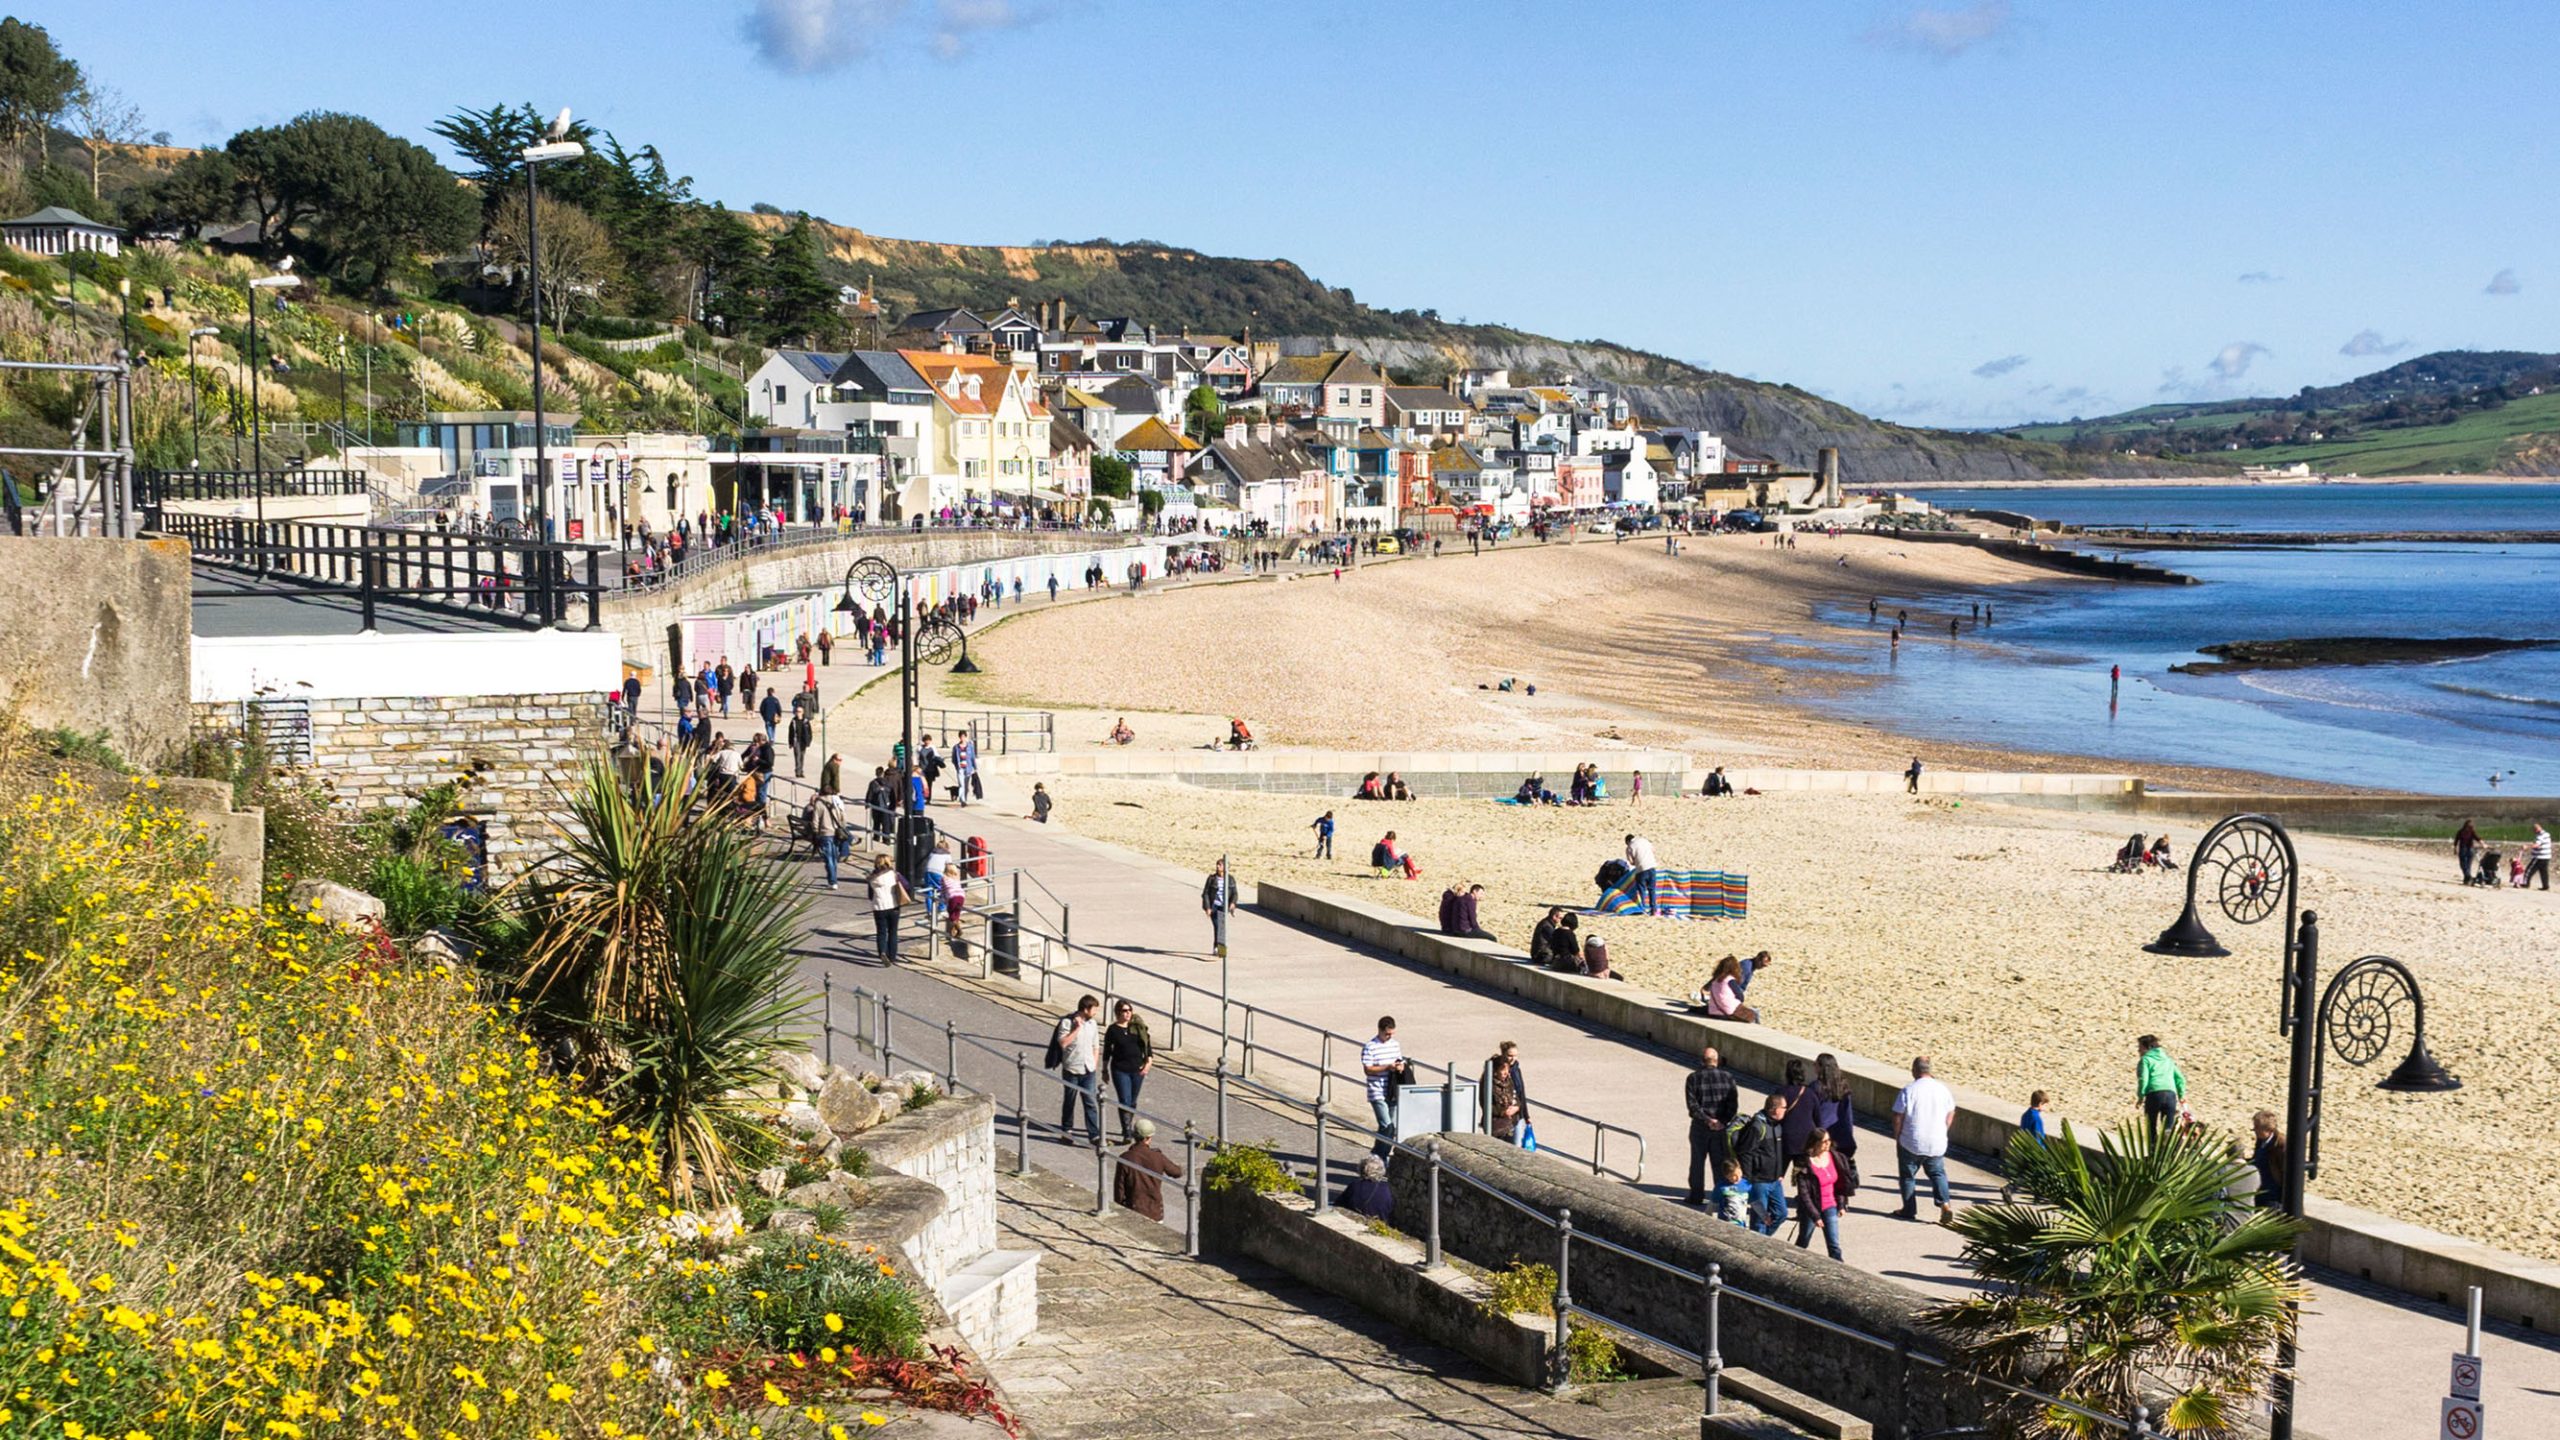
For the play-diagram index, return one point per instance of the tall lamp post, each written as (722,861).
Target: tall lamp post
(877,581)
(283,279)
(2253,867)
(555,145)
(195,397)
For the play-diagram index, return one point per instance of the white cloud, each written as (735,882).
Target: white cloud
(810,37)
(2505,282)
(2260,277)
(2235,359)
(1994,369)
(2370,342)
(1944,33)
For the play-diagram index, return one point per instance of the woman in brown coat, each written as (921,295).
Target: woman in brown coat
(1137,1182)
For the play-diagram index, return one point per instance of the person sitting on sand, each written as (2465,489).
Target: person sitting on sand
(1370,788)
(1395,786)
(1121,734)
(1716,784)
(1723,994)
(2159,855)
(1386,856)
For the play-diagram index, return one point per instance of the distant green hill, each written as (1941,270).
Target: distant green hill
(2451,412)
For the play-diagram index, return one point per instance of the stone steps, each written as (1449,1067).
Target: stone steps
(994,1300)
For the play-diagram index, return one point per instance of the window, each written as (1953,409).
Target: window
(1367,396)
(781,394)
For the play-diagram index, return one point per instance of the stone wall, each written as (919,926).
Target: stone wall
(1878,1382)
(641,617)
(519,753)
(951,1145)
(96,639)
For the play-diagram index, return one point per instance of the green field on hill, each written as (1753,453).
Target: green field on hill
(2473,444)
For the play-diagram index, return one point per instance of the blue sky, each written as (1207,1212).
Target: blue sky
(1955,213)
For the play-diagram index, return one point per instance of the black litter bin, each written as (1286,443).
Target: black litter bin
(915,841)
(1004,942)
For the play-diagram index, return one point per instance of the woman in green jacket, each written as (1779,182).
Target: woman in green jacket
(2158,1083)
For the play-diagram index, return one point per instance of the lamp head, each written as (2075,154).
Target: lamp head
(845,605)
(2420,1073)
(553,150)
(202,331)
(2188,939)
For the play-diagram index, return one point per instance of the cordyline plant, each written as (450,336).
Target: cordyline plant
(2133,1277)
(661,942)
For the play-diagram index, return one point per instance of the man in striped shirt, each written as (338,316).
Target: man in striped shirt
(1380,1059)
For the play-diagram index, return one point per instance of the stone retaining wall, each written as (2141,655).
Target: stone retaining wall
(520,753)
(2410,1258)
(1876,1382)
(951,1145)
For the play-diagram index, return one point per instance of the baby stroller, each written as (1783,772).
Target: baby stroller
(2488,873)
(2129,856)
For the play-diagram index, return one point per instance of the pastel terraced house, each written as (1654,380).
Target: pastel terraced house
(990,429)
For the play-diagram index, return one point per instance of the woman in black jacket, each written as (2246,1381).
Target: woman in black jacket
(1127,1052)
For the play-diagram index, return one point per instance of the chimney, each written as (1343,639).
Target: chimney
(1237,432)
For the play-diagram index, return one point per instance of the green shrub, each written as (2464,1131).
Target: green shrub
(1249,1168)
(788,1292)
(1523,1289)
(797,1172)
(830,1217)
(919,1095)
(1592,1354)
(90,748)
(417,895)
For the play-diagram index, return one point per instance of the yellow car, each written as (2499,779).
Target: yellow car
(1390,545)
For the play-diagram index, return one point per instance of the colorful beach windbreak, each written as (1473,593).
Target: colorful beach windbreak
(1684,895)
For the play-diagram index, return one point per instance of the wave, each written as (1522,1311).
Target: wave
(2539,702)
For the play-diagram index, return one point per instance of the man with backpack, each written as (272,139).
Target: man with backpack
(1075,1052)
(1760,1148)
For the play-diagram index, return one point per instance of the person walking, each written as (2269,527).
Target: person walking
(1823,1186)
(888,892)
(1079,1050)
(1920,1117)
(769,710)
(1760,1148)
(831,775)
(1911,777)
(1640,885)
(2540,863)
(1128,1051)
(728,678)
(826,648)
(800,739)
(1713,1099)
(1382,1063)
(2159,1086)
(1218,901)
(1040,801)
(1508,1089)
(1137,1181)
(826,831)
(2466,844)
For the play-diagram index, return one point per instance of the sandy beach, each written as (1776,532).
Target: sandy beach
(1986,934)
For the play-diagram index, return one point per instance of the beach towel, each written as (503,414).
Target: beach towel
(1684,895)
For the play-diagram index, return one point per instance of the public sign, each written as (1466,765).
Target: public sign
(2466,1377)
(2461,1420)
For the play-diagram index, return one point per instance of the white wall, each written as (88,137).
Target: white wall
(343,667)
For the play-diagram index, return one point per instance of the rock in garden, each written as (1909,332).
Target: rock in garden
(906,1080)
(441,947)
(798,1221)
(846,1107)
(801,1068)
(337,904)
(771,1181)
(803,1117)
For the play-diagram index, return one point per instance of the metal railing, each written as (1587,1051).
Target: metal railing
(154,487)
(875,1030)
(996,732)
(520,580)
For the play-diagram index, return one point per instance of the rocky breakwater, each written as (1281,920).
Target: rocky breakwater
(2239,655)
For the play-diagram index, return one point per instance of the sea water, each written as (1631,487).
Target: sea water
(2037,677)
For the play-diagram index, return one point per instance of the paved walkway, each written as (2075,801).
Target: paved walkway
(1148,913)
(1136,1340)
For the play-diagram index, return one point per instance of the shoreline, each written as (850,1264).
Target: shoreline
(2178,482)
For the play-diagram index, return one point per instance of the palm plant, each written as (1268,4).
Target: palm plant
(662,942)
(2135,1277)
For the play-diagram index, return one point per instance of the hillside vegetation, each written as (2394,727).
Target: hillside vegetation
(2452,412)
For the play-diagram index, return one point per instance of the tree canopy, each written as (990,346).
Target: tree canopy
(348,191)
(37,81)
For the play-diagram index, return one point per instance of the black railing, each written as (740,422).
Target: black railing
(155,486)
(523,581)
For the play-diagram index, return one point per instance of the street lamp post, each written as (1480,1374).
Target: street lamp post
(195,398)
(283,279)
(2254,868)
(878,580)
(555,145)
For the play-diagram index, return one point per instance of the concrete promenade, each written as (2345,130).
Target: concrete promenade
(2372,1363)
